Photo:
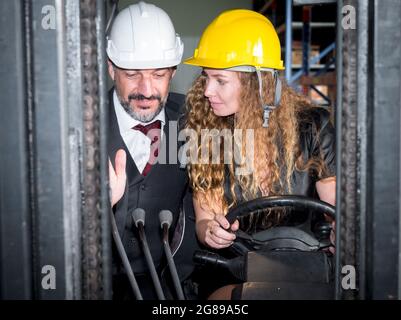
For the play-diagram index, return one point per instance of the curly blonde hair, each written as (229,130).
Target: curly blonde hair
(276,150)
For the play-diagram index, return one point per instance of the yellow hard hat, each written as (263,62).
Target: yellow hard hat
(238,38)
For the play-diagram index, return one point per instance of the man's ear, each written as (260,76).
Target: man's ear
(173,73)
(111,69)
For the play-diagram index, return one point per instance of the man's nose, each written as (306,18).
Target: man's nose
(145,87)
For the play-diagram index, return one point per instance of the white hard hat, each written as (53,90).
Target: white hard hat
(143,37)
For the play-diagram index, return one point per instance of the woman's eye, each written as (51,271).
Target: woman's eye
(221,82)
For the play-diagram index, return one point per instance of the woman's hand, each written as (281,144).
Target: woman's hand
(217,233)
(118,177)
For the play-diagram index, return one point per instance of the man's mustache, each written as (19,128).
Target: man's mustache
(140,97)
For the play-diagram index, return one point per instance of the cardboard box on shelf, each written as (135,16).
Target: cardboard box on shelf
(297,52)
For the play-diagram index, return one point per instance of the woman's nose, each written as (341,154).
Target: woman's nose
(209,92)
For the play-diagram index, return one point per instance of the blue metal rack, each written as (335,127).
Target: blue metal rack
(308,62)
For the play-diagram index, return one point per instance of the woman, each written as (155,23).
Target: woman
(239,89)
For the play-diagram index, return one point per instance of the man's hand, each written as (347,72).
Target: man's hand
(118,177)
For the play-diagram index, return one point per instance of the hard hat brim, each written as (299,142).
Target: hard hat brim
(207,63)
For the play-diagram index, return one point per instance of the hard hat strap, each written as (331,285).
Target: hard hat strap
(277,94)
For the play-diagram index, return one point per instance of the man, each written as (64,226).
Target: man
(143,51)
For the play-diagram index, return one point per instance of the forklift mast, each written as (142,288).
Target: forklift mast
(55,238)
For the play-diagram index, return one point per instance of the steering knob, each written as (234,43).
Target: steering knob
(323,229)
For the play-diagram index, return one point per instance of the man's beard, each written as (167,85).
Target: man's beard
(138,97)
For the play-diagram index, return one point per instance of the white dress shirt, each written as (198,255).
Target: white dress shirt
(137,143)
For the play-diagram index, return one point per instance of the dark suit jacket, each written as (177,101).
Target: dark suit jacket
(165,187)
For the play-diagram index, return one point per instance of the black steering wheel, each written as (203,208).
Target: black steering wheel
(283,237)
